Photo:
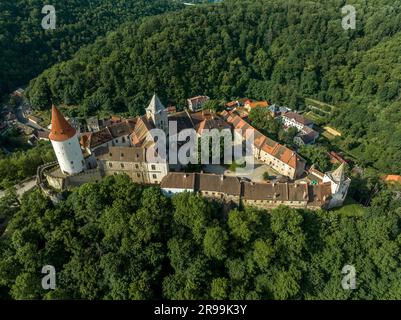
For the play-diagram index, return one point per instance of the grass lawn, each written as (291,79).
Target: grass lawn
(351,209)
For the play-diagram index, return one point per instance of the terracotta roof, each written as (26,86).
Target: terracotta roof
(61,130)
(141,131)
(268,145)
(392,178)
(99,137)
(254,104)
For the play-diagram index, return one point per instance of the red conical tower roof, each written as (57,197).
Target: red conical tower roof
(61,130)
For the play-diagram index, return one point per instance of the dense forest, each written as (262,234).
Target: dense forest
(281,50)
(27,49)
(19,165)
(117,240)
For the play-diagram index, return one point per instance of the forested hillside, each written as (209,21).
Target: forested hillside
(117,240)
(26,49)
(282,50)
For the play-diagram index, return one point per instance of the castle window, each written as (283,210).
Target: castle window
(123,139)
(72,162)
(122,155)
(136,166)
(154,176)
(110,165)
(153,167)
(122,165)
(138,175)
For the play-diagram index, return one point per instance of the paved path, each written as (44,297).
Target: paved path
(22,188)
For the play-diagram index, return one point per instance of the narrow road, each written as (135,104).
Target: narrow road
(21,189)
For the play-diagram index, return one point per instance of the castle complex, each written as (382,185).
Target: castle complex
(123,147)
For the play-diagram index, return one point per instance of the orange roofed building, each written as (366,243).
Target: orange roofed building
(282,159)
(391,178)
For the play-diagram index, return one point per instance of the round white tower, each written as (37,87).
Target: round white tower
(65,143)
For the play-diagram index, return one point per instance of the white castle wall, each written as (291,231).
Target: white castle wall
(69,155)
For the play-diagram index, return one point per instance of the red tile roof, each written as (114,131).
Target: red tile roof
(61,130)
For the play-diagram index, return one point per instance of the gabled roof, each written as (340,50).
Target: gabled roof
(99,137)
(275,191)
(297,118)
(178,180)
(141,131)
(319,194)
(218,183)
(61,130)
(268,145)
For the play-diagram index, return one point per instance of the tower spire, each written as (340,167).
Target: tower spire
(61,130)
(339,174)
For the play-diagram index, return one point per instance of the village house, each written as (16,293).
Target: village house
(295,120)
(249,104)
(283,160)
(196,103)
(306,136)
(35,119)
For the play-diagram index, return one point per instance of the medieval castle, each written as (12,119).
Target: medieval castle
(121,146)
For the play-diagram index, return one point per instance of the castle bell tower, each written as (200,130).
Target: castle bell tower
(158,113)
(65,143)
(339,185)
